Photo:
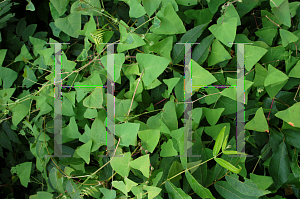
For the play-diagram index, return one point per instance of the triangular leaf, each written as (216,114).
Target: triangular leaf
(259,122)
(225,32)
(142,163)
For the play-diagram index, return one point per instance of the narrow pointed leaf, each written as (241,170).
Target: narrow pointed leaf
(219,142)
(227,165)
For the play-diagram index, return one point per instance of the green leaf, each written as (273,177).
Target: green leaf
(175,168)
(98,134)
(252,55)
(260,75)
(231,92)
(227,165)
(259,122)
(29,77)
(282,12)
(213,131)
(169,116)
(295,72)
(266,22)
(123,106)
(150,6)
(71,189)
(46,54)
(95,99)
(200,16)
(224,145)
(80,7)
(69,24)
(287,37)
(23,171)
(218,53)
(88,28)
(86,136)
(120,186)
(129,183)
(152,191)
(136,9)
(247,187)
(189,37)
(232,153)
(71,97)
(230,13)
(24,55)
(137,41)
(292,137)
(157,178)
(171,83)
(206,78)
(119,61)
(197,115)
(67,108)
(214,5)
(290,115)
(267,34)
(54,13)
(187,2)
(108,193)
(228,192)
(38,44)
(142,163)
(55,179)
(219,142)
(84,151)
(163,47)
(42,195)
(150,137)
(127,132)
(19,112)
(262,182)
(279,168)
(197,187)
(121,164)
(275,81)
(170,22)
(175,192)
(21,26)
(90,113)
(30,6)
(72,129)
(8,76)
(212,115)
(60,6)
(166,2)
(152,65)
(276,3)
(167,149)
(201,51)
(2,56)
(29,30)
(225,32)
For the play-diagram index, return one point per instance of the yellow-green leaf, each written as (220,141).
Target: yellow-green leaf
(227,165)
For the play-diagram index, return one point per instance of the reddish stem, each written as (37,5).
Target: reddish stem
(270,111)
(160,101)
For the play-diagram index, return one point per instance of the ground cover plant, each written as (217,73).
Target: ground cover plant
(149,99)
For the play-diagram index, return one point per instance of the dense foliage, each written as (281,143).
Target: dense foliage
(149,98)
